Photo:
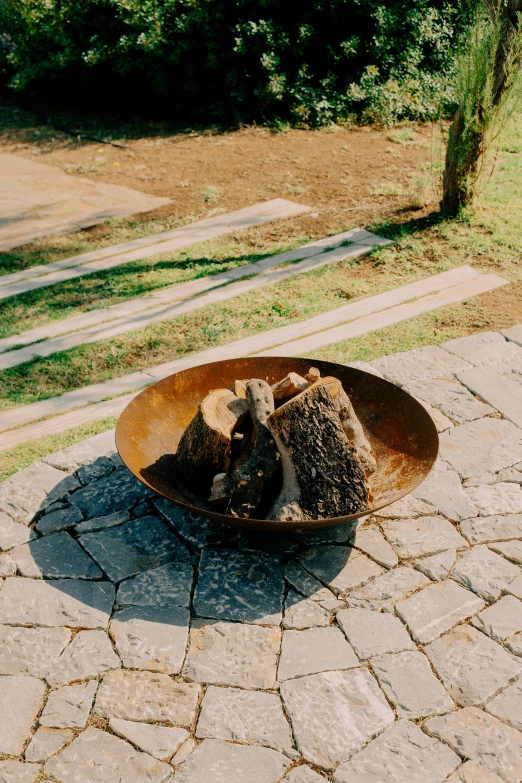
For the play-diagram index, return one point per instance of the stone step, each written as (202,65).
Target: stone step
(146,247)
(24,415)
(371,323)
(152,315)
(180,290)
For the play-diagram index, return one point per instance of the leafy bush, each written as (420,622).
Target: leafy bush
(309,63)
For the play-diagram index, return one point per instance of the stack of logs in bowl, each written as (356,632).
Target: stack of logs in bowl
(291,451)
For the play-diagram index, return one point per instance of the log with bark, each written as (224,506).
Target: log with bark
(295,449)
(205,446)
(323,475)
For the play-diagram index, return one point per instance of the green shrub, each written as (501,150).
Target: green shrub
(311,63)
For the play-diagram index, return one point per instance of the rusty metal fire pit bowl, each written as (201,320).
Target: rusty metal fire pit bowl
(403,436)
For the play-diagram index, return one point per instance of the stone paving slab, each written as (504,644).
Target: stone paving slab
(38,200)
(273,657)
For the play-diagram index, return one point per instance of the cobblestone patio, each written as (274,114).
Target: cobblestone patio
(140,643)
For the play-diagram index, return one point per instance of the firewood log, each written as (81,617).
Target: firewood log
(313,374)
(351,425)
(322,472)
(246,483)
(291,385)
(205,446)
(239,388)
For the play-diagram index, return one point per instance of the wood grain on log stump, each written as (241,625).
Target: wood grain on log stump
(205,446)
(323,475)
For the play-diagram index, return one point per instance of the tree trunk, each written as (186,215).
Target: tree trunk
(460,173)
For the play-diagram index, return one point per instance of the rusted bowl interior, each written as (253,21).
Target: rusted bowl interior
(403,436)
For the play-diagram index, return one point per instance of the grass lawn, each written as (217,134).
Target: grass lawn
(490,240)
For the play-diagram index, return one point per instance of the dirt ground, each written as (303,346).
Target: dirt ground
(348,176)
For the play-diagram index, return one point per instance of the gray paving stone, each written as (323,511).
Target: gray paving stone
(73,457)
(409,683)
(472,667)
(46,742)
(223,653)
(515,587)
(342,568)
(233,763)
(502,498)
(466,346)
(27,491)
(119,490)
(170,584)
(20,701)
(443,490)
(99,756)
(482,479)
(312,651)
(384,592)
(184,752)
(59,520)
(501,620)
(301,612)
(371,541)
(437,567)
(437,608)
(510,474)
(253,717)
(160,742)
(408,507)
(70,602)
(151,637)
(502,392)
(147,697)
(480,446)
(514,644)
(18,772)
(13,533)
(197,532)
(453,399)
(336,534)
(428,362)
(303,774)
(305,583)
(501,357)
(134,547)
(239,586)
(31,651)
(401,753)
(480,737)
(512,550)
(7,565)
(514,333)
(489,529)
(471,772)
(268,541)
(57,555)
(507,706)
(100,523)
(95,470)
(373,633)
(422,536)
(89,654)
(334,714)
(69,707)
(484,572)
(142,510)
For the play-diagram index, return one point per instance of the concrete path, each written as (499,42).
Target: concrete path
(135,250)
(38,201)
(363,316)
(141,643)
